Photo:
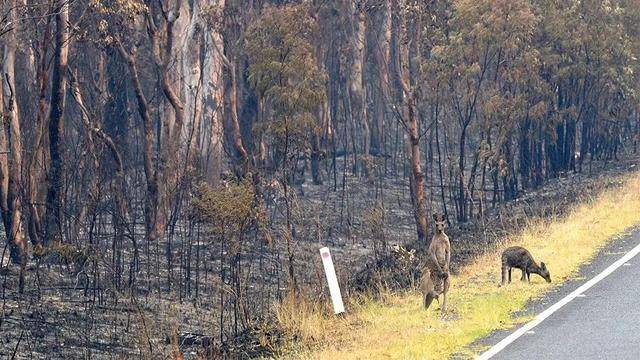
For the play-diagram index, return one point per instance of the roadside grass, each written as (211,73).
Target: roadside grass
(394,325)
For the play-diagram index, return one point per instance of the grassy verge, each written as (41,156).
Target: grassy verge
(396,327)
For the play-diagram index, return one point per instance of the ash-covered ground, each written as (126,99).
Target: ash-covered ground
(76,305)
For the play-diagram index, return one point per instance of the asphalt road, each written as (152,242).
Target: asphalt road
(602,323)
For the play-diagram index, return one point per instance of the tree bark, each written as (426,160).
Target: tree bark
(412,127)
(36,187)
(94,129)
(378,45)
(55,192)
(356,81)
(11,158)
(153,218)
(212,119)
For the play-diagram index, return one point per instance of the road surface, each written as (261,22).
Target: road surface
(602,322)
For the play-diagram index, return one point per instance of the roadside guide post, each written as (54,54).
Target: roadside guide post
(334,288)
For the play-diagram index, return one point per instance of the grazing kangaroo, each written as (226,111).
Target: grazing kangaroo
(519,257)
(435,280)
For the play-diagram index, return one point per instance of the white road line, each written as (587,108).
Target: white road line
(555,307)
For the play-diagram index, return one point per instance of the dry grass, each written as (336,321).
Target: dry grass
(396,327)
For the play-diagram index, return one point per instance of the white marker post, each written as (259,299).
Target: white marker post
(332,279)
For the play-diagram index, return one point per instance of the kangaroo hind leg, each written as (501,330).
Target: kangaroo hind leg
(428,299)
(504,275)
(444,297)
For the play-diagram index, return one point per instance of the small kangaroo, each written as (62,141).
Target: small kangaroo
(428,288)
(519,257)
(435,280)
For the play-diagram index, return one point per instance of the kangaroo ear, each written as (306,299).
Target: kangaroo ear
(542,265)
(435,217)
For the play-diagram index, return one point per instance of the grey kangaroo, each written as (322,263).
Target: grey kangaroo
(519,257)
(435,278)
(428,288)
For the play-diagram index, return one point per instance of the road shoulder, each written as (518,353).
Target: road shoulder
(614,250)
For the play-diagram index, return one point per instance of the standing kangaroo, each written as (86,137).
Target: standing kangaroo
(435,279)
(519,257)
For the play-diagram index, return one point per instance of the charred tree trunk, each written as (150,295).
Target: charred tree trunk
(378,45)
(35,191)
(412,127)
(462,197)
(357,91)
(525,153)
(55,192)
(94,129)
(151,174)
(11,158)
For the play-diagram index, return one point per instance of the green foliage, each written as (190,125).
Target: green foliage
(128,7)
(283,68)
(65,253)
(116,19)
(282,65)
(374,223)
(228,209)
(506,62)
